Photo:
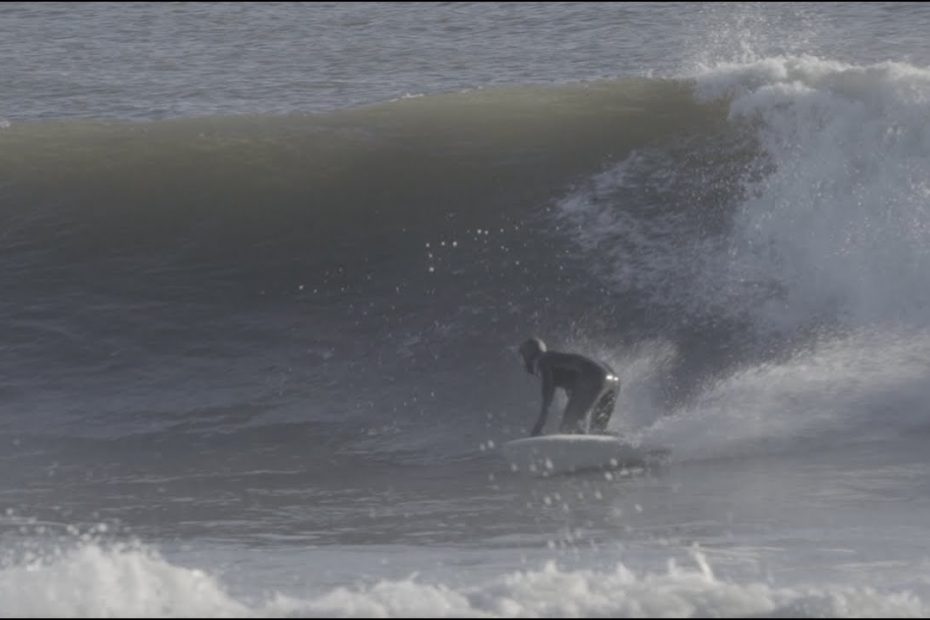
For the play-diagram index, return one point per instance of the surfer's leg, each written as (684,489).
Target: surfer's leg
(579,405)
(604,409)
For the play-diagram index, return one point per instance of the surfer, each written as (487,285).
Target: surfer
(591,386)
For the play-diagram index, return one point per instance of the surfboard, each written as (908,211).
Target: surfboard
(558,454)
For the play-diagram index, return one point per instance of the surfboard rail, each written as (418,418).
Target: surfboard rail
(547,455)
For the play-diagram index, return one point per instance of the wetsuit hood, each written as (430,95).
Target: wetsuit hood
(530,350)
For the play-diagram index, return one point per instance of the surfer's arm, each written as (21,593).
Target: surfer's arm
(548,391)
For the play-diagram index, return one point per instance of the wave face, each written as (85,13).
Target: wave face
(355,281)
(354,270)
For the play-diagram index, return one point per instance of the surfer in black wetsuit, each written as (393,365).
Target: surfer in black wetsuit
(591,386)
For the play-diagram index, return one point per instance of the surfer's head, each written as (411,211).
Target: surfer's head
(530,351)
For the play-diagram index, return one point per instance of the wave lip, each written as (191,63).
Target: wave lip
(842,221)
(816,193)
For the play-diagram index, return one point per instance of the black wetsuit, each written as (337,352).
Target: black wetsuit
(592,388)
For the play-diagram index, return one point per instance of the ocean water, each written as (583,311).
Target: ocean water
(265,266)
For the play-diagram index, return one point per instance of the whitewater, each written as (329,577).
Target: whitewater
(265,268)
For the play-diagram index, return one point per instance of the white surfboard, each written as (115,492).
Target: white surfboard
(557,454)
